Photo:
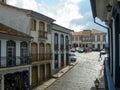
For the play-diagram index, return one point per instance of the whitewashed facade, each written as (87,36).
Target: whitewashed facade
(61,42)
(14,59)
(89,38)
(39,27)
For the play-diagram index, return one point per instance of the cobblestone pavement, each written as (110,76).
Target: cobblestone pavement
(82,75)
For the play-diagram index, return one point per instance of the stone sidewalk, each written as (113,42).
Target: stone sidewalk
(101,79)
(54,78)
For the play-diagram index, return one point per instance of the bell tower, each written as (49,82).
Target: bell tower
(4,1)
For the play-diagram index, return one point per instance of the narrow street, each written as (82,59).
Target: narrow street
(82,75)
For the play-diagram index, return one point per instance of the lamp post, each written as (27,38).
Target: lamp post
(96,83)
(109,7)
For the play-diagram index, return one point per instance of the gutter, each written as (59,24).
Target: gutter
(99,24)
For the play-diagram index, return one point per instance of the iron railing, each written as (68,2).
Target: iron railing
(43,34)
(40,57)
(109,85)
(62,47)
(67,47)
(56,48)
(6,62)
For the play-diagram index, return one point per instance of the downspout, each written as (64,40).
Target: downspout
(105,28)
(100,24)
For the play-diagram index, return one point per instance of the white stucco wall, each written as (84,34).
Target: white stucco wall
(4,49)
(15,18)
(4,71)
(59,52)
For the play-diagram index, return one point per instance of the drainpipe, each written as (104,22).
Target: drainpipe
(100,24)
(104,27)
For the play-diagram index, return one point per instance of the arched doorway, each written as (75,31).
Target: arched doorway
(34,51)
(11,53)
(8,82)
(42,73)
(34,75)
(24,52)
(41,51)
(48,51)
(41,29)
(48,71)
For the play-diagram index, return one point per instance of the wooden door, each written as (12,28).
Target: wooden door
(42,73)
(34,75)
(48,71)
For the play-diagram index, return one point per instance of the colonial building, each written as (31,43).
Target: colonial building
(61,41)
(39,27)
(109,12)
(89,38)
(14,59)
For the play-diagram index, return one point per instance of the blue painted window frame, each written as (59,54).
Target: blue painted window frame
(56,60)
(67,43)
(24,52)
(56,41)
(13,58)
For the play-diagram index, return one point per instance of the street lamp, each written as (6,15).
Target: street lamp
(96,83)
(109,7)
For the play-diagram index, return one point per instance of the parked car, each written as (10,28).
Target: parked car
(103,51)
(77,48)
(72,50)
(72,57)
(81,50)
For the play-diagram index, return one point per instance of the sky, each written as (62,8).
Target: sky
(72,14)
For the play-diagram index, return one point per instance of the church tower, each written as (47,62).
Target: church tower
(4,1)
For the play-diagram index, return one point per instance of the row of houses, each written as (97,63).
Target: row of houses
(95,39)
(32,47)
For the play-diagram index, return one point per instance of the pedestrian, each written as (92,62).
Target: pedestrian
(100,57)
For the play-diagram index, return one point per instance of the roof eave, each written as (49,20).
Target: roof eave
(99,9)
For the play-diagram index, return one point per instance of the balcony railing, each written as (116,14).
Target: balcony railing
(6,62)
(67,47)
(61,47)
(43,34)
(56,47)
(108,79)
(41,57)
(33,57)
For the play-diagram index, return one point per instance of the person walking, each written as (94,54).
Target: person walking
(100,57)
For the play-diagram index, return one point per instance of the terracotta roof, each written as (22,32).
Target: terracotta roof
(96,31)
(87,32)
(10,31)
(77,33)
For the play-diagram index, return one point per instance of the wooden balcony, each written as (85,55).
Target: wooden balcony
(42,34)
(41,57)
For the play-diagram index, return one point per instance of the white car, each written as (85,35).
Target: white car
(72,57)
(103,51)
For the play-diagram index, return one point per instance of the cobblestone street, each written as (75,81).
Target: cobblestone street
(82,75)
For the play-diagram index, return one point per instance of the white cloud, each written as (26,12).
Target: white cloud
(63,13)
